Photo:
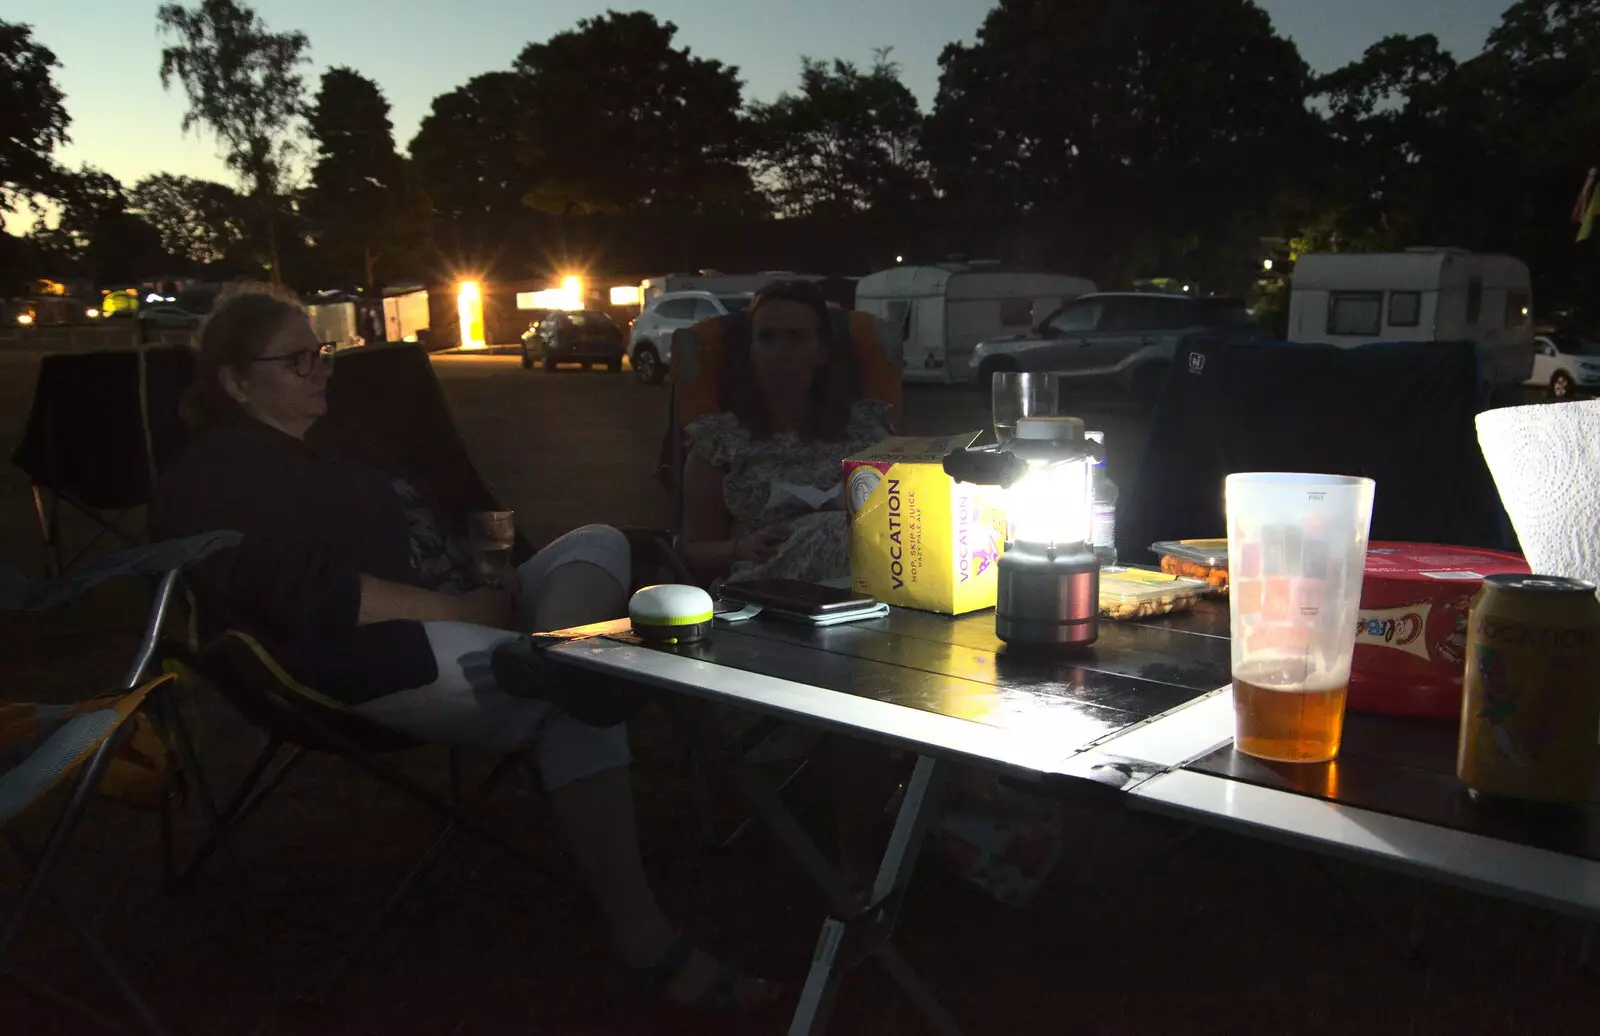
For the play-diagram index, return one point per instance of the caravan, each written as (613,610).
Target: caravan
(1422,294)
(716,282)
(944,311)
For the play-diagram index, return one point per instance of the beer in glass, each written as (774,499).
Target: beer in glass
(1297,547)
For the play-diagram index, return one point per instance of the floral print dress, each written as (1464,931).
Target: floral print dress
(1003,841)
(786,479)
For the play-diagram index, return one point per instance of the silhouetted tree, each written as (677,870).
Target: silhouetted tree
(369,218)
(846,143)
(1133,135)
(33,121)
(199,221)
(617,118)
(94,234)
(243,82)
(467,155)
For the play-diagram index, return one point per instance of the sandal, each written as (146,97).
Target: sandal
(720,997)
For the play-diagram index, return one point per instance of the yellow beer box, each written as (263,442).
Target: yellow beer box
(918,538)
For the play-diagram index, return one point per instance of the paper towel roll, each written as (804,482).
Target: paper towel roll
(1546,463)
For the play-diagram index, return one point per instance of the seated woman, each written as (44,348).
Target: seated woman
(357,583)
(793,418)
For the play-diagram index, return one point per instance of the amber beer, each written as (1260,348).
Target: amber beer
(1530,710)
(1292,724)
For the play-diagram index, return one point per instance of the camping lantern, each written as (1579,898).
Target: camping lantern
(1049,582)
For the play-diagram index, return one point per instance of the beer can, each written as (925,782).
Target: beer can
(1530,713)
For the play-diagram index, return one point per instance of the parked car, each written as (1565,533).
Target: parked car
(1123,340)
(1565,363)
(183,312)
(581,336)
(650,347)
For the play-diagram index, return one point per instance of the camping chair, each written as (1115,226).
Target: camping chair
(101,425)
(699,355)
(297,719)
(41,746)
(388,397)
(1399,413)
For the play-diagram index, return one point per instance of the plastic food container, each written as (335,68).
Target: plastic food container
(1133,593)
(1205,560)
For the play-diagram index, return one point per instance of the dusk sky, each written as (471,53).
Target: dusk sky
(124,123)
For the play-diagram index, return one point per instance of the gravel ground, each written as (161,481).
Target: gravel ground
(1166,934)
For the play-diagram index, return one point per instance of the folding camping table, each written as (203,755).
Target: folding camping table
(1138,719)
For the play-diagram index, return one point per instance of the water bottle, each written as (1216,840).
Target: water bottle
(1103,508)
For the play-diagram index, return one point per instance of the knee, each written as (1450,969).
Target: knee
(576,594)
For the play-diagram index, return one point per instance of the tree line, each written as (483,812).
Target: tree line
(1120,139)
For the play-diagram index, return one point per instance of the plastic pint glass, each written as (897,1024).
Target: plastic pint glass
(1297,547)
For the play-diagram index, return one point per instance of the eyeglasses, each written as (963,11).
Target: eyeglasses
(301,361)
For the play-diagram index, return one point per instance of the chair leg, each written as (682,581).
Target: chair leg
(65,825)
(170,714)
(256,786)
(389,774)
(359,944)
(49,530)
(112,973)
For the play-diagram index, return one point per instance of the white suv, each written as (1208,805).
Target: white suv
(650,344)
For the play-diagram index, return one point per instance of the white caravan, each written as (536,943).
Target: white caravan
(943,311)
(405,313)
(1419,295)
(716,282)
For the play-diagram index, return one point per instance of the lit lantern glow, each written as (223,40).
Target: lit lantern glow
(469,305)
(1048,591)
(1049,587)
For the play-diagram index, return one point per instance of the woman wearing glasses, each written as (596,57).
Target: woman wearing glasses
(358,584)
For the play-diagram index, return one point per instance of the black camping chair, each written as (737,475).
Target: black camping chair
(143,714)
(388,396)
(296,720)
(101,425)
(384,400)
(1399,413)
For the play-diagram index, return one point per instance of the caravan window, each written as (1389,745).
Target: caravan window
(1519,309)
(1016,312)
(1405,308)
(1355,312)
(1474,299)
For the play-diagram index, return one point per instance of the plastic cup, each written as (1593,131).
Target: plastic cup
(490,536)
(1297,548)
(1016,395)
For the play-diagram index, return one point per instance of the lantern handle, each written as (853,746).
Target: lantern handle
(985,467)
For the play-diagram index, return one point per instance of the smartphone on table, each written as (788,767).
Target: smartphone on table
(813,603)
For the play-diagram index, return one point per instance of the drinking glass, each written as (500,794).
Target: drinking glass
(490,537)
(1016,395)
(1297,550)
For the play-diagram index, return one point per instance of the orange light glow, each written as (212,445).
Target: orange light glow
(469,305)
